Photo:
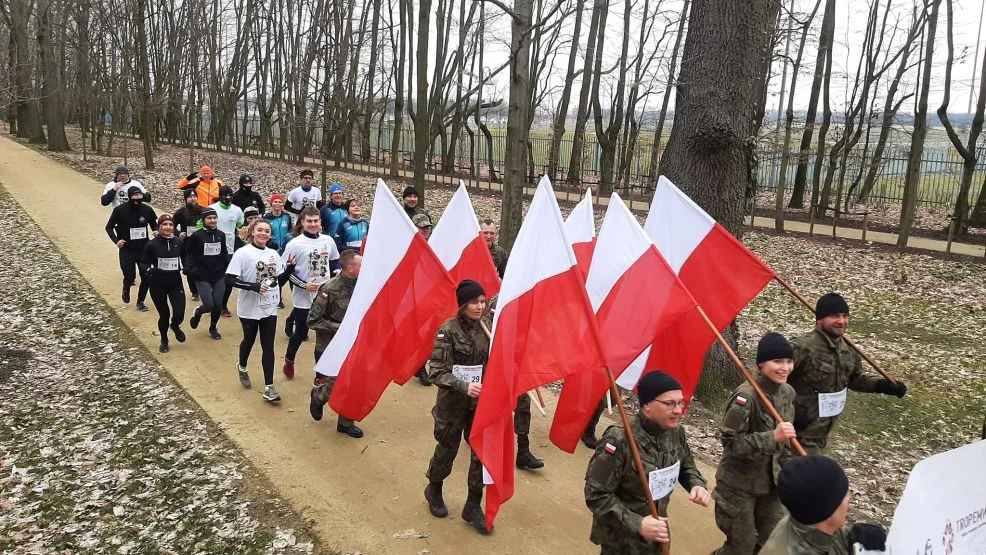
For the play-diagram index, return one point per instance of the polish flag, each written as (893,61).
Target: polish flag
(402,296)
(636,296)
(461,248)
(580,227)
(719,271)
(543,331)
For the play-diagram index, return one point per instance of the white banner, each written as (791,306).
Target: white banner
(943,509)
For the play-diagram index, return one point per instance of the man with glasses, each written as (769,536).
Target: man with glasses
(621,519)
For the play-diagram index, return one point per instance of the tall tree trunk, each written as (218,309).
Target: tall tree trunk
(147,120)
(578,135)
(561,111)
(54,108)
(913,176)
(28,111)
(655,153)
(395,139)
(711,150)
(518,114)
(422,120)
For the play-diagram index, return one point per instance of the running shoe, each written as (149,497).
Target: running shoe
(244,376)
(214,333)
(126,295)
(195,298)
(270,395)
(142,307)
(179,334)
(227,313)
(305,338)
(288,369)
(280,305)
(194,320)
(163,348)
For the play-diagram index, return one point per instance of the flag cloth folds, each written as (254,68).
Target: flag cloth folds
(719,271)
(580,227)
(636,296)
(543,331)
(460,246)
(402,296)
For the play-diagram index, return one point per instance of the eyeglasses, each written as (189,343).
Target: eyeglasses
(672,404)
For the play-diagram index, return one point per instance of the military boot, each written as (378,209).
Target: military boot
(436,503)
(472,512)
(319,396)
(525,459)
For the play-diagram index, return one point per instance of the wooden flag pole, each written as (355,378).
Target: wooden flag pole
(644,482)
(538,401)
(795,444)
(854,347)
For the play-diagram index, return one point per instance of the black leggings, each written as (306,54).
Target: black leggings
(300,317)
(165,289)
(130,267)
(226,294)
(267,327)
(210,292)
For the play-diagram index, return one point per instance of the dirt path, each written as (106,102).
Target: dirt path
(358,492)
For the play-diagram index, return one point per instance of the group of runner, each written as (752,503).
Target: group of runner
(222,239)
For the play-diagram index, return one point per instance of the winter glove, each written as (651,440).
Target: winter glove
(192,176)
(871,536)
(888,387)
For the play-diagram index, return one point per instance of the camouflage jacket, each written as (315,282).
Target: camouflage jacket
(790,537)
(459,341)
(329,308)
(500,256)
(823,366)
(751,458)
(612,487)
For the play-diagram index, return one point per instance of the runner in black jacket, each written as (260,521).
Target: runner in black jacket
(186,218)
(206,258)
(162,264)
(127,227)
(246,196)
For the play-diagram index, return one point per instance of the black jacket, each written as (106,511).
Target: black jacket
(203,267)
(161,247)
(244,198)
(186,217)
(125,217)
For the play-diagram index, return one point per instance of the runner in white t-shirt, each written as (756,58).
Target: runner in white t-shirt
(230,216)
(259,273)
(115,192)
(303,195)
(317,258)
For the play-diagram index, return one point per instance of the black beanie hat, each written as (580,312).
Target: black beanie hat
(811,488)
(829,304)
(133,190)
(246,178)
(225,190)
(206,212)
(308,173)
(654,384)
(467,291)
(121,169)
(188,193)
(408,191)
(773,346)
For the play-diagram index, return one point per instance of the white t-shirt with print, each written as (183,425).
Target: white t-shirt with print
(311,258)
(252,264)
(230,219)
(299,198)
(121,193)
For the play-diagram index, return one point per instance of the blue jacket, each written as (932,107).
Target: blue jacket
(350,234)
(280,227)
(332,216)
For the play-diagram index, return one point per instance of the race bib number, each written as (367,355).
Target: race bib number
(471,374)
(269,298)
(168,264)
(663,480)
(138,233)
(212,249)
(831,404)
(354,244)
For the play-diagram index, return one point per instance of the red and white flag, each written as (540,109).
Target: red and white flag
(580,227)
(402,296)
(719,271)
(636,296)
(460,246)
(543,331)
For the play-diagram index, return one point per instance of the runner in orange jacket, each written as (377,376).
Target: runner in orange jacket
(205,185)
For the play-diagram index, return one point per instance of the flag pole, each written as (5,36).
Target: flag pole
(795,444)
(644,482)
(539,401)
(854,347)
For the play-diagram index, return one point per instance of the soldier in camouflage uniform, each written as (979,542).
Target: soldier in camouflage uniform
(824,368)
(328,309)
(458,361)
(621,520)
(522,412)
(754,449)
(815,492)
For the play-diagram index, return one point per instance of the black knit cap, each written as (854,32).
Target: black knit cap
(467,291)
(121,169)
(188,193)
(206,212)
(654,384)
(773,346)
(246,178)
(225,190)
(308,173)
(134,190)
(811,488)
(408,191)
(829,304)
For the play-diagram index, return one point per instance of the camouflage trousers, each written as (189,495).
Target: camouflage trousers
(522,415)
(323,390)
(746,519)
(453,413)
